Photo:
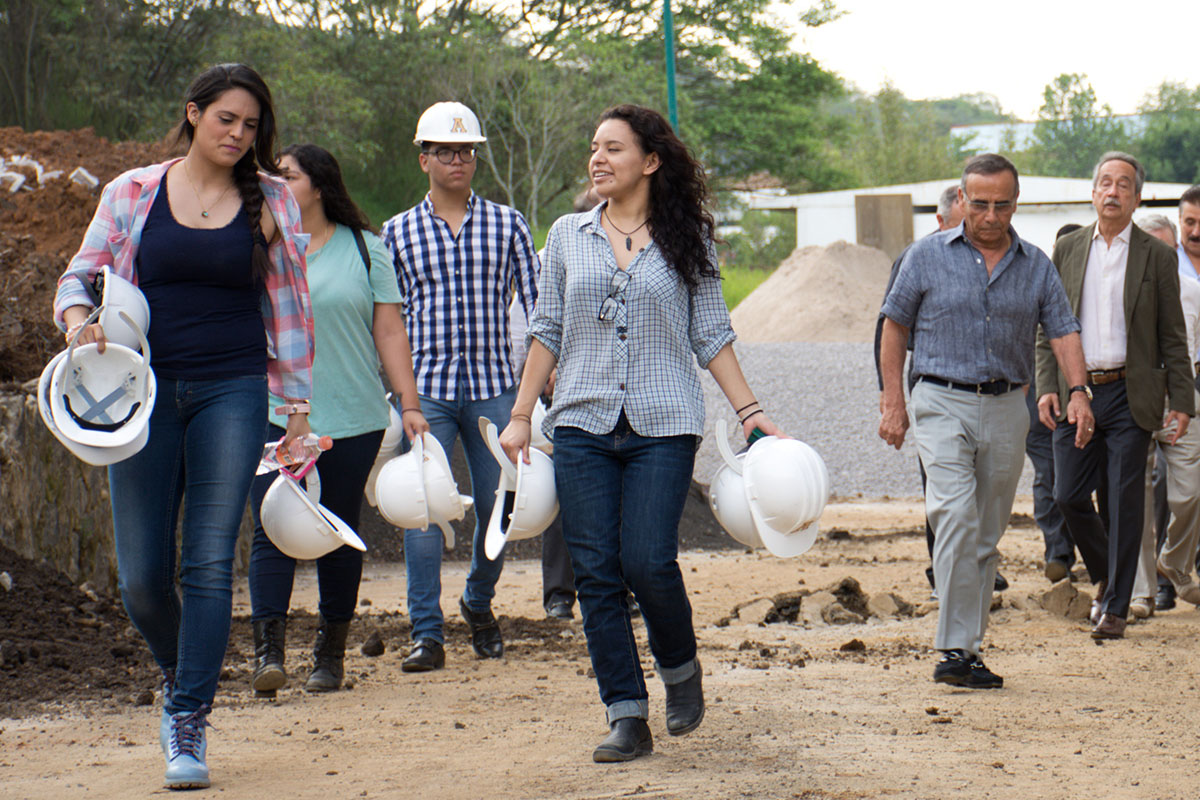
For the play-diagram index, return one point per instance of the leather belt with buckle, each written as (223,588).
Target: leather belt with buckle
(1099,377)
(989,388)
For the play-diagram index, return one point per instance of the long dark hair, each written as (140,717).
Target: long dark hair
(207,87)
(326,177)
(680,222)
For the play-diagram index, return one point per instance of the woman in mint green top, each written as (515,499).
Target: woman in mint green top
(356,310)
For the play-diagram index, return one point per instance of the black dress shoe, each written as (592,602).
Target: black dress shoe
(426,656)
(485,631)
(627,739)
(685,704)
(560,609)
(1165,599)
(1001,583)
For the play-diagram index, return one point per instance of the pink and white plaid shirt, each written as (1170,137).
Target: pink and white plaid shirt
(115,232)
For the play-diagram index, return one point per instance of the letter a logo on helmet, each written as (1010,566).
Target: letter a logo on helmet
(450,123)
(458,126)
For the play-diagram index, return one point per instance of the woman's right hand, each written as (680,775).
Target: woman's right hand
(514,440)
(94,333)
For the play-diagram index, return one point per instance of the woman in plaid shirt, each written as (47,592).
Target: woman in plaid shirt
(230,314)
(629,297)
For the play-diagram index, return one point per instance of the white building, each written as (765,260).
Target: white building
(1045,205)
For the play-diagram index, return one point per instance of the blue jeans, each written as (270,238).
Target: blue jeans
(205,442)
(343,471)
(622,497)
(449,419)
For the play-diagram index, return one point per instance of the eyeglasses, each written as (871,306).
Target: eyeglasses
(446,155)
(608,309)
(984,206)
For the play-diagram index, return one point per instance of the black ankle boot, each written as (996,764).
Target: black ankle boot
(685,704)
(270,636)
(627,739)
(328,653)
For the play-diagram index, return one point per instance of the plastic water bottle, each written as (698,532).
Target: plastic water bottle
(302,448)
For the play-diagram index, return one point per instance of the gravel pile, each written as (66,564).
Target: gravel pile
(824,394)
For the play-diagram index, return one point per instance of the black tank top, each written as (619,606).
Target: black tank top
(205,307)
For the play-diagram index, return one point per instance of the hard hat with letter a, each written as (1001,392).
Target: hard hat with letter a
(449,122)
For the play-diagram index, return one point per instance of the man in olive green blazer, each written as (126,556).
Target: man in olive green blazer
(1135,345)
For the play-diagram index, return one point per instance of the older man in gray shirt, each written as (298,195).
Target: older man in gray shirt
(974,296)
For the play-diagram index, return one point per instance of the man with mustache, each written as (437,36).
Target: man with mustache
(1123,284)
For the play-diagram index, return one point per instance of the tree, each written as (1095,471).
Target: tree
(1171,138)
(895,140)
(1073,129)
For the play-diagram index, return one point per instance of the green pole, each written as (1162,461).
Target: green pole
(669,36)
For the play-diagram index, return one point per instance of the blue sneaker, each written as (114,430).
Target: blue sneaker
(186,765)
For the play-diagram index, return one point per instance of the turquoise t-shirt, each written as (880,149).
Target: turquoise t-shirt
(348,397)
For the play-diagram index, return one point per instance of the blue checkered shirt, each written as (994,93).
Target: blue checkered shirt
(972,327)
(642,359)
(456,290)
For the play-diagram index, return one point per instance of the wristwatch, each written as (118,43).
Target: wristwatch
(1081,388)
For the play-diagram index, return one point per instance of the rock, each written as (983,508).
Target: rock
(373,646)
(6,581)
(925,608)
(753,611)
(1081,606)
(837,614)
(1057,599)
(142,698)
(882,605)
(853,646)
(1021,602)
(850,594)
(785,607)
(814,606)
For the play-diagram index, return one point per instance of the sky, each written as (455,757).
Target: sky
(1008,49)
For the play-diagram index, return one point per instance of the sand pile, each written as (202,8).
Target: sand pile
(41,228)
(818,294)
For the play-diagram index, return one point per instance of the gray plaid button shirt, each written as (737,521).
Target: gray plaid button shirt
(641,359)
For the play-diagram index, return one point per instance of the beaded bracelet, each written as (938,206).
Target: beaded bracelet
(71,331)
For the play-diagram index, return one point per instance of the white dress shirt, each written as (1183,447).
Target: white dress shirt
(1102,304)
(1189,297)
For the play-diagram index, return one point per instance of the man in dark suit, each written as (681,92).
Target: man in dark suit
(1123,284)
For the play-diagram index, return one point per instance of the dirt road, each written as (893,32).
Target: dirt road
(795,710)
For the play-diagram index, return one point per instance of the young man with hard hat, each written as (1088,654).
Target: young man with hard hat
(458,258)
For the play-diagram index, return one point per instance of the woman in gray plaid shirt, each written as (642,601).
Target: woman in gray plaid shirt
(629,295)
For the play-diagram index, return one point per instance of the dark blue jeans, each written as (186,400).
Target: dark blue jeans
(343,470)
(205,442)
(622,496)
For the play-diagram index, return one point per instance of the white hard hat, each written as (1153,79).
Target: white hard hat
(400,490)
(112,294)
(446,505)
(526,500)
(448,122)
(96,456)
(727,493)
(787,486)
(103,400)
(298,525)
(389,447)
(537,439)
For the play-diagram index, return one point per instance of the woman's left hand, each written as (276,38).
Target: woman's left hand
(297,425)
(414,424)
(764,424)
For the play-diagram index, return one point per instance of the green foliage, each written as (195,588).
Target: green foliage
(1073,129)
(894,140)
(763,240)
(1171,139)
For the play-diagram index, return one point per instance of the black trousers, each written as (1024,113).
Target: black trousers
(1117,455)
(1039,446)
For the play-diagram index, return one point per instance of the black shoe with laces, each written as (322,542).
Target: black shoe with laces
(960,668)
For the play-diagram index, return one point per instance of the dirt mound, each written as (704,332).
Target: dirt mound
(818,294)
(41,228)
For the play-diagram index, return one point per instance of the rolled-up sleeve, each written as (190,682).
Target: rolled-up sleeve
(546,324)
(95,252)
(709,328)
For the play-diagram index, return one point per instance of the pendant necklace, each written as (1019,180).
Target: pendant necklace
(627,234)
(203,210)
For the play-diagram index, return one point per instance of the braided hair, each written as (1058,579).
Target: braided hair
(207,87)
(325,175)
(680,222)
